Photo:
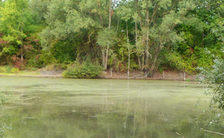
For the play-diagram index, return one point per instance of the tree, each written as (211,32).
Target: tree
(123,35)
(77,23)
(126,14)
(156,30)
(202,33)
(13,20)
(106,39)
(161,25)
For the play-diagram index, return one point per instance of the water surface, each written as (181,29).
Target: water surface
(66,108)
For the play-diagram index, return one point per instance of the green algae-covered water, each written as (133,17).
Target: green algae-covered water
(66,108)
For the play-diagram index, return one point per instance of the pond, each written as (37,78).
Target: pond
(67,108)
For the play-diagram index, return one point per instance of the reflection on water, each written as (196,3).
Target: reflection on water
(65,108)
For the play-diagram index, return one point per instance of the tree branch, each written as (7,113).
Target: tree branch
(212,132)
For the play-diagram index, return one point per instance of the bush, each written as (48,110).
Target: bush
(8,69)
(41,60)
(83,71)
(188,61)
(214,78)
(14,70)
(63,51)
(176,61)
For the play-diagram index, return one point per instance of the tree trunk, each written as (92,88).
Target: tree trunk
(136,34)
(129,53)
(103,57)
(184,76)
(109,26)
(143,62)
(153,66)
(136,42)
(21,56)
(106,58)
(101,18)
(118,23)
(110,13)
(147,38)
(139,63)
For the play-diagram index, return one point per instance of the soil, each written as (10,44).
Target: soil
(165,75)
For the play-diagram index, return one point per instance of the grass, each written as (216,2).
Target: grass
(21,73)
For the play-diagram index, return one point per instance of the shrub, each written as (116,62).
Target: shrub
(214,78)
(14,70)
(41,60)
(176,61)
(2,69)
(8,69)
(85,70)
(63,51)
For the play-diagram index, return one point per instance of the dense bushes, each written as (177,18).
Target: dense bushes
(176,61)
(35,34)
(189,62)
(84,70)
(63,52)
(8,69)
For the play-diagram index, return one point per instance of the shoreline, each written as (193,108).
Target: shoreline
(137,75)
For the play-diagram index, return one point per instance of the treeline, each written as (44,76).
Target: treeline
(121,35)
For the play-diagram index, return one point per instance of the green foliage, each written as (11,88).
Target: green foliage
(177,62)
(63,20)
(85,70)
(8,50)
(106,37)
(63,52)
(44,59)
(8,69)
(38,33)
(202,42)
(189,62)
(17,30)
(214,78)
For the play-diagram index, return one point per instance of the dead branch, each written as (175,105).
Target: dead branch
(212,132)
